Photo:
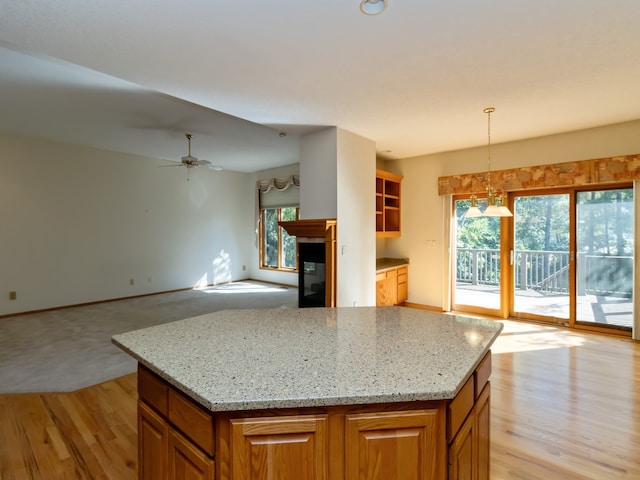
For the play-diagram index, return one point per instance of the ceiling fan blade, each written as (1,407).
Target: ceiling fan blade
(202,162)
(174,164)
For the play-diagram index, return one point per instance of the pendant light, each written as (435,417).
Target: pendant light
(495,202)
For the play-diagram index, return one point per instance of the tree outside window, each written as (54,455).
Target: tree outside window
(278,247)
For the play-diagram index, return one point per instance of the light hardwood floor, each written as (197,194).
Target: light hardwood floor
(565,405)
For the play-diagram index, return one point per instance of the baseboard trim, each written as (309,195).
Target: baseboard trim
(423,307)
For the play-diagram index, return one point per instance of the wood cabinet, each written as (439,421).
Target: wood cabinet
(280,447)
(403,284)
(420,440)
(175,435)
(186,461)
(153,444)
(388,201)
(469,444)
(392,286)
(392,445)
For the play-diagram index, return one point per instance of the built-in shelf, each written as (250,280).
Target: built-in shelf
(388,198)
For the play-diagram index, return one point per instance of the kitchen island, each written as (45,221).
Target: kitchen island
(319,393)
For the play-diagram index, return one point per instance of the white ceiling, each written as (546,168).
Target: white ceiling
(135,76)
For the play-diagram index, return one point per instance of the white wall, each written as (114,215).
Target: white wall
(76,224)
(356,246)
(254,270)
(318,174)
(337,180)
(422,209)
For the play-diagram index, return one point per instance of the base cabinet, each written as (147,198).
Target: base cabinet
(294,447)
(186,461)
(153,445)
(469,452)
(431,440)
(392,446)
(164,454)
(392,286)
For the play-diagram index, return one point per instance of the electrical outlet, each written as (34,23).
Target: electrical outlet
(13,295)
(131,282)
(244,268)
(149,279)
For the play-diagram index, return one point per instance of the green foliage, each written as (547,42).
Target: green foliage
(478,232)
(604,223)
(274,235)
(288,242)
(271,237)
(542,223)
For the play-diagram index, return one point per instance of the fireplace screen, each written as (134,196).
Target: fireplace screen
(312,278)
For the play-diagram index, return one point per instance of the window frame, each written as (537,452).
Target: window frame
(262,234)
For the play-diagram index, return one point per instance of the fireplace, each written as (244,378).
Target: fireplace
(316,261)
(312,271)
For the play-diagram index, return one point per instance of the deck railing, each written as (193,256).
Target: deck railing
(548,271)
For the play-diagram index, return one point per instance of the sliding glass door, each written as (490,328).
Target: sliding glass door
(566,256)
(540,257)
(604,259)
(477,276)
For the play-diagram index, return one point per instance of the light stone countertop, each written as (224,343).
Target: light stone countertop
(288,358)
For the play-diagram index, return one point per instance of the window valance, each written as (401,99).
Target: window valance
(277,192)
(571,174)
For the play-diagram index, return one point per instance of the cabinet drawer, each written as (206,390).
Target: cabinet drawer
(482,373)
(152,390)
(192,420)
(403,273)
(459,408)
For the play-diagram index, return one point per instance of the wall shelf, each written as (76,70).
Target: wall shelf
(388,201)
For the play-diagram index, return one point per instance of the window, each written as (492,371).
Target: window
(278,249)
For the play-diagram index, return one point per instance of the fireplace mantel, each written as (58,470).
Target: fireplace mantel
(320,230)
(324,228)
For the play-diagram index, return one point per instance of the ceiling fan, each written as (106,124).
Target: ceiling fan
(190,161)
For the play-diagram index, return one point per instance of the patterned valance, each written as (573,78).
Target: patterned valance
(571,174)
(281,183)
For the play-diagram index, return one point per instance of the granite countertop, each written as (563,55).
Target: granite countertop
(384,263)
(288,358)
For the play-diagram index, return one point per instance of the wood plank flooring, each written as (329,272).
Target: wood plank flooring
(565,405)
(87,434)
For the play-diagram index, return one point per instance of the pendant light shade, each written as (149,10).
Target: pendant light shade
(495,202)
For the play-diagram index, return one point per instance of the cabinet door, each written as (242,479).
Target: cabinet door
(403,284)
(483,426)
(386,288)
(462,452)
(186,461)
(153,441)
(392,446)
(286,448)
(469,453)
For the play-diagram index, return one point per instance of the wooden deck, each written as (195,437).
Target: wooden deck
(600,310)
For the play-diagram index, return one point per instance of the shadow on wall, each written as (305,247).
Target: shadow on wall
(221,272)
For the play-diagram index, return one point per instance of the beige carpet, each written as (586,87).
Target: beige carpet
(70,348)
